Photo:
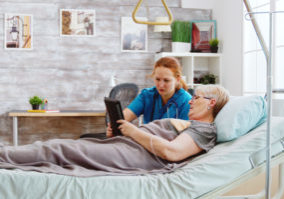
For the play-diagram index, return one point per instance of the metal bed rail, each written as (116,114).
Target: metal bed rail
(277,160)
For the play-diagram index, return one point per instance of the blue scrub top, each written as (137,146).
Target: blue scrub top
(176,107)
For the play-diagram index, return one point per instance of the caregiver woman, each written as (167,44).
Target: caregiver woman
(167,99)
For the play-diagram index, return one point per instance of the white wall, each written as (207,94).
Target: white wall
(228,14)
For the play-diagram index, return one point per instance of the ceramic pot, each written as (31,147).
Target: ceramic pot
(181,47)
(214,49)
(35,106)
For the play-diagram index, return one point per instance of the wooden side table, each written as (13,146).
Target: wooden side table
(62,113)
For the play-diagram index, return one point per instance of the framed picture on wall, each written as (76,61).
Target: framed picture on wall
(202,32)
(18,32)
(133,36)
(79,23)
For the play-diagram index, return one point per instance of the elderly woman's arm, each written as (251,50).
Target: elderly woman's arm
(178,149)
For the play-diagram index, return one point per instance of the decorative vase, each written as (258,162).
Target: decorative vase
(214,49)
(35,106)
(181,47)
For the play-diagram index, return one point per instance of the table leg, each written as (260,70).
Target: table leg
(15,131)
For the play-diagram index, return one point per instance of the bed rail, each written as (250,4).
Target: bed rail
(276,160)
(257,158)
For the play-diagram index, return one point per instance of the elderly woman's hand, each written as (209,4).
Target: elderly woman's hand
(127,128)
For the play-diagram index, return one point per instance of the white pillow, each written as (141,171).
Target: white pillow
(239,116)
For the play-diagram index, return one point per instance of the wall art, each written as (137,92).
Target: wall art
(133,36)
(202,32)
(79,23)
(18,32)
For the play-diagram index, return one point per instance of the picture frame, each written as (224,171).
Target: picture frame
(18,31)
(134,37)
(77,23)
(202,32)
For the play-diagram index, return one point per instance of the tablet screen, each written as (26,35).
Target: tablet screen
(115,113)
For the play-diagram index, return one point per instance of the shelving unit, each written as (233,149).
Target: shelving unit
(195,64)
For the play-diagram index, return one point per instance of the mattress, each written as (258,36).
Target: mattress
(206,172)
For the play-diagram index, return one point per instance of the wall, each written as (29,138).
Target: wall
(74,73)
(228,14)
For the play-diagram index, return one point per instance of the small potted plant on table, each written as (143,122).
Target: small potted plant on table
(214,45)
(35,101)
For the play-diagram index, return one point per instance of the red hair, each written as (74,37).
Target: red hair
(174,65)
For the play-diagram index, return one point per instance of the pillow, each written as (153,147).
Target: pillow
(239,116)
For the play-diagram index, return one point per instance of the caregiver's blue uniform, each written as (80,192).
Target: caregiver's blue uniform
(149,103)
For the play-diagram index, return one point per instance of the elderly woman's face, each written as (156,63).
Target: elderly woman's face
(199,106)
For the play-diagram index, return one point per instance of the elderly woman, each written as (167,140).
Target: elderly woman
(153,147)
(187,138)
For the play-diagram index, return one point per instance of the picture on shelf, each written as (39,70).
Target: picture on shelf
(133,35)
(77,22)
(18,31)
(202,32)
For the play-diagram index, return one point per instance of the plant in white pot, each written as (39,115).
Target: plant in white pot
(181,35)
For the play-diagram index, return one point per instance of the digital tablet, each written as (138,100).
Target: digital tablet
(115,113)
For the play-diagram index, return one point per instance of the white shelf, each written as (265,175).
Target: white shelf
(194,64)
(186,54)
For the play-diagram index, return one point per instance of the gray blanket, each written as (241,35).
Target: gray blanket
(87,157)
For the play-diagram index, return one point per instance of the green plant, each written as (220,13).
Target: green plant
(181,31)
(214,42)
(208,79)
(35,100)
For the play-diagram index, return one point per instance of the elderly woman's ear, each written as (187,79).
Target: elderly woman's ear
(212,103)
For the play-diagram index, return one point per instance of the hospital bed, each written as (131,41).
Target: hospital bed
(206,176)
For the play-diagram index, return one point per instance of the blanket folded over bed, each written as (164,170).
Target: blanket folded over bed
(87,157)
(84,157)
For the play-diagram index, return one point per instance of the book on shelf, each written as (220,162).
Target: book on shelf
(43,111)
(36,111)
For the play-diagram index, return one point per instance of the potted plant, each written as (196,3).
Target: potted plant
(181,36)
(208,79)
(214,45)
(35,101)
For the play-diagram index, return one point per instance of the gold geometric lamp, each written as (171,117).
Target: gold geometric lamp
(168,22)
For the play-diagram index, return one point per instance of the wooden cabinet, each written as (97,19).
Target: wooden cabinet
(196,65)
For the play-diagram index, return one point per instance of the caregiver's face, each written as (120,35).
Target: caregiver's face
(165,81)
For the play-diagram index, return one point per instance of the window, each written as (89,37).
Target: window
(254,67)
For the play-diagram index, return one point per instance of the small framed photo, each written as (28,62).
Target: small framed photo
(133,36)
(18,32)
(202,32)
(80,23)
